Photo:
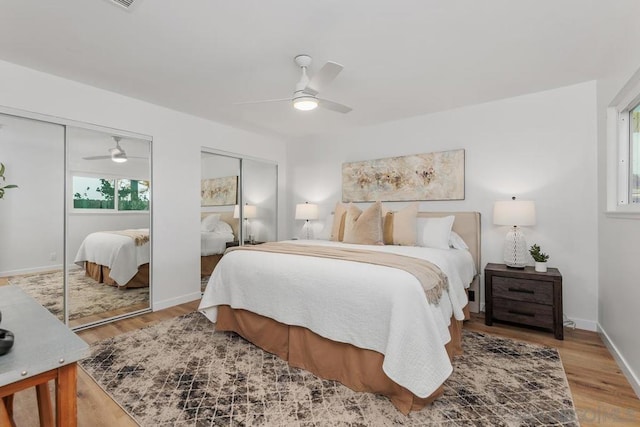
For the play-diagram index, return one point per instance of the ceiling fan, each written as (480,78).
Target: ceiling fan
(116,154)
(305,96)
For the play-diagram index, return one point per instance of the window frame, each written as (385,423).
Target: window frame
(108,211)
(619,148)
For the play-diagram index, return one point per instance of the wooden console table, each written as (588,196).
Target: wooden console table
(44,350)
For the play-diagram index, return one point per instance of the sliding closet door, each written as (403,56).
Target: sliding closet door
(108,225)
(260,191)
(32,215)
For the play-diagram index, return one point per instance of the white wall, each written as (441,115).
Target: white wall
(540,146)
(177,141)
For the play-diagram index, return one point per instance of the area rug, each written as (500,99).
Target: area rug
(86,296)
(180,372)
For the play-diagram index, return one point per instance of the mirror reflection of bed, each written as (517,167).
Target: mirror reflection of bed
(216,230)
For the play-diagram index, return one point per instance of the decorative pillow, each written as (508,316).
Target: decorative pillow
(337,228)
(209,222)
(222,227)
(435,232)
(400,227)
(363,228)
(456,242)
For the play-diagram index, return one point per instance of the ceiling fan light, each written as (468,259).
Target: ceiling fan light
(119,157)
(305,103)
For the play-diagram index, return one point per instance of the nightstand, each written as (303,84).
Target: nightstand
(246,242)
(524,297)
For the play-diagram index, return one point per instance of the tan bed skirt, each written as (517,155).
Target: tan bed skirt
(100,274)
(208,263)
(358,369)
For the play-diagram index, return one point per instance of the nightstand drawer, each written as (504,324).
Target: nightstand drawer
(523,290)
(523,312)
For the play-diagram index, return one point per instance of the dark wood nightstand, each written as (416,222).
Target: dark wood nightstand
(524,297)
(246,242)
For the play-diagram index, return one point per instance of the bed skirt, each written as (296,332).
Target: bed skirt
(208,263)
(356,368)
(100,274)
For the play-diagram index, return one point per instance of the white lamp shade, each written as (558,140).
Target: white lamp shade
(514,213)
(306,211)
(249,211)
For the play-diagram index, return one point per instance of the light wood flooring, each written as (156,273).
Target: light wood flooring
(601,393)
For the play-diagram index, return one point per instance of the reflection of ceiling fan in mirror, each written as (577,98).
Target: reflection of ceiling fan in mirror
(305,96)
(116,154)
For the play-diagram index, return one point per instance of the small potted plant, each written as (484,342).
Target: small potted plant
(539,257)
(4,187)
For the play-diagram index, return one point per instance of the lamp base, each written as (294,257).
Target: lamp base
(515,249)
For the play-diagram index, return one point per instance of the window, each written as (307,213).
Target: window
(623,151)
(634,155)
(110,194)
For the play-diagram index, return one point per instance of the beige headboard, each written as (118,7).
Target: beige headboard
(467,225)
(226,216)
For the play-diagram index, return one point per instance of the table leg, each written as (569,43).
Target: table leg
(66,403)
(45,410)
(6,411)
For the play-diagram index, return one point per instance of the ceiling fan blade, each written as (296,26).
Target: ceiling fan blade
(96,157)
(334,106)
(322,78)
(262,101)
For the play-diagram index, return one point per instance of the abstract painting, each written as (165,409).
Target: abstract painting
(430,176)
(219,191)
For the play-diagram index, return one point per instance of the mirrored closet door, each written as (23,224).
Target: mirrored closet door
(238,205)
(76,230)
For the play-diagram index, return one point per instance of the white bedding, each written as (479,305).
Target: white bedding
(370,306)
(213,243)
(115,251)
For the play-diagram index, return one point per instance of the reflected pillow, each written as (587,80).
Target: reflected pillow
(363,228)
(209,222)
(435,232)
(222,227)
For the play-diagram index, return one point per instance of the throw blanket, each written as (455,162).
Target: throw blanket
(432,279)
(140,237)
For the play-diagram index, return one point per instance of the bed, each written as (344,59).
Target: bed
(214,238)
(117,258)
(311,331)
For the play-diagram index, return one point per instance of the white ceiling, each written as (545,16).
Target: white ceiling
(401,58)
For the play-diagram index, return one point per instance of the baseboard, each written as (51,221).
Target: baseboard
(31,270)
(622,362)
(587,325)
(161,305)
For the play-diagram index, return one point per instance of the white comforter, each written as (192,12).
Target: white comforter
(213,243)
(115,251)
(370,306)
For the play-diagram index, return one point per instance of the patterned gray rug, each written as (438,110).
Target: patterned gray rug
(181,373)
(86,296)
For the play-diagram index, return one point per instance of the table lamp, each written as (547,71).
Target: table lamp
(248,212)
(515,213)
(307,211)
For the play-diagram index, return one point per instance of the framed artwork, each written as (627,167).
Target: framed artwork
(430,176)
(219,191)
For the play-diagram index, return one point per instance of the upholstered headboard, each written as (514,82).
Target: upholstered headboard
(467,225)
(226,216)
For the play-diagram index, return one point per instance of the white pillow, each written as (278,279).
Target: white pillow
(435,232)
(222,227)
(209,222)
(456,242)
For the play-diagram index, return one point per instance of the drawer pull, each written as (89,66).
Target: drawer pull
(522,291)
(522,313)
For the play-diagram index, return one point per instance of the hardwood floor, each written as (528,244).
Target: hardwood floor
(600,391)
